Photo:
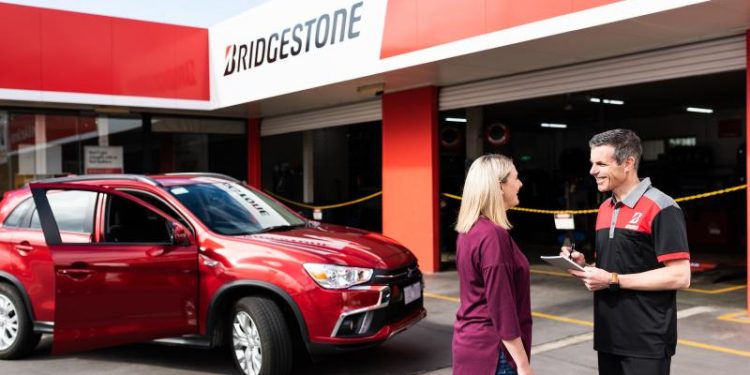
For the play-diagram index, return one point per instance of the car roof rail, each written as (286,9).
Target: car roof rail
(204,174)
(94,177)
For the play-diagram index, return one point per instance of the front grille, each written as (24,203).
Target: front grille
(398,276)
(370,322)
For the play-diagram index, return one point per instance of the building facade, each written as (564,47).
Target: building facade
(330,101)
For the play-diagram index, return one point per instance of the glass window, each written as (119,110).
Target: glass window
(73,211)
(232,209)
(35,146)
(15,217)
(158,203)
(199,145)
(129,222)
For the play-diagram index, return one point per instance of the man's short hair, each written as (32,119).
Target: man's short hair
(624,141)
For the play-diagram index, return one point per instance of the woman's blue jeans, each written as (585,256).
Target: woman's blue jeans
(503,367)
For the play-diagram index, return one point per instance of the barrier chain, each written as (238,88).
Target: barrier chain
(521,209)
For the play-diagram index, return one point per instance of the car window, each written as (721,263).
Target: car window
(129,222)
(73,210)
(158,203)
(14,219)
(232,209)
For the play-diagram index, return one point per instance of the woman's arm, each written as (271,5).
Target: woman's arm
(516,350)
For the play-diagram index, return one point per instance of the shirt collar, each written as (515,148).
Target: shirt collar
(636,194)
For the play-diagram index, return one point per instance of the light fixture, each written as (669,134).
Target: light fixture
(607,101)
(554,126)
(455,119)
(374,89)
(699,110)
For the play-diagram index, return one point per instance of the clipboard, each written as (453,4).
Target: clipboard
(562,263)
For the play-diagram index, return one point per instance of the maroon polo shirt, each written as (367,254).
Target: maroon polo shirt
(495,299)
(638,234)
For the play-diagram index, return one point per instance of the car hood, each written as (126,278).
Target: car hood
(341,245)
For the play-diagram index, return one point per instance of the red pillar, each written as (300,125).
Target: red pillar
(747,163)
(410,173)
(253,152)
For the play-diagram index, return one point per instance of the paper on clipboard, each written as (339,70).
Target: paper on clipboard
(564,222)
(563,263)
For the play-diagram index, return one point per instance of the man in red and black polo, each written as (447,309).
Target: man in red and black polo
(642,258)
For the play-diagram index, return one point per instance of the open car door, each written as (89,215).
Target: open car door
(136,280)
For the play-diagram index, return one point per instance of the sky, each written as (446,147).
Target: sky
(199,13)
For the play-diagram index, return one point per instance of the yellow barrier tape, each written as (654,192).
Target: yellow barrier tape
(593,211)
(521,209)
(359,200)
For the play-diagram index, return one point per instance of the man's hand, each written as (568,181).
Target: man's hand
(594,278)
(575,256)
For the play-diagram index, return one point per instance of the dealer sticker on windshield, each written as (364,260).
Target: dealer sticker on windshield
(412,293)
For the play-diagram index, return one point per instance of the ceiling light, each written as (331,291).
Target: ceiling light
(607,101)
(455,119)
(554,126)
(700,110)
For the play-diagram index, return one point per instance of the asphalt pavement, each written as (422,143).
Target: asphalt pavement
(713,327)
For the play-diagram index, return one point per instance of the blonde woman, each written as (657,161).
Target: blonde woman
(492,333)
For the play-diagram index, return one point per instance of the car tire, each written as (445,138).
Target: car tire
(17,337)
(259,338)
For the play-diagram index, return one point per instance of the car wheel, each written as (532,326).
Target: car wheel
(17,337)
(259,338)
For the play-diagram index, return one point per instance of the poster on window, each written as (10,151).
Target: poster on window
(3,137)
(103,159)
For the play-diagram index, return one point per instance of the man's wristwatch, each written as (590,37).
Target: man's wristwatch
(614,282)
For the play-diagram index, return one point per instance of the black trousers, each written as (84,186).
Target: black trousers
(611,364)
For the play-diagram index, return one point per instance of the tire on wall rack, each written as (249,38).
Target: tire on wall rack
(259,338)
(17,337)
(497,134)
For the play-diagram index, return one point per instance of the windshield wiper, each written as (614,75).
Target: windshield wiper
(278,228)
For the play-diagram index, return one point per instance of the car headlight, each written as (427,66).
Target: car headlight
(330,276)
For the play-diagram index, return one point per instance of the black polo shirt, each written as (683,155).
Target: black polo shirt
(636,235)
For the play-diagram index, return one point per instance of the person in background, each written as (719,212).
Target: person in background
(642,258)
(492,332)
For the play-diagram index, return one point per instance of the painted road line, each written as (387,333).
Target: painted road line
(691,290)
(551,273)
(715,291)
(559,344)
(736,317)
(694,311)
(715,348)
(442,297)
(577,339)
(741,353)
(562,319)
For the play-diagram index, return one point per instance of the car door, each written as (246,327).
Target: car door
(136,281)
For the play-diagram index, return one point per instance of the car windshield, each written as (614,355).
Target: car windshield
(233,209)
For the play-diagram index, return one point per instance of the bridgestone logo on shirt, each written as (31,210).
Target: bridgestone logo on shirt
(317,33)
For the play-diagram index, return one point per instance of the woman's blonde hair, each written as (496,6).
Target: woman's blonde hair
(482,194)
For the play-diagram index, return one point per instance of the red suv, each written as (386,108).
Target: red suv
(197,259)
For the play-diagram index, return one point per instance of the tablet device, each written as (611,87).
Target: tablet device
(561,262)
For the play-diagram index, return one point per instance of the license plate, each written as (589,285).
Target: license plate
(412,293)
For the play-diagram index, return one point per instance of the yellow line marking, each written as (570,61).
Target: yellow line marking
(736,317)
(692,290)
(442,297)
(551,273)
(562,319)
(741,353)
(715,348)
(716,291)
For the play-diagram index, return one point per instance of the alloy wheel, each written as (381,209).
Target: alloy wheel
(247,345)
(8,323)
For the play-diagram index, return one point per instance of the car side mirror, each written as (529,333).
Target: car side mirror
(180,235)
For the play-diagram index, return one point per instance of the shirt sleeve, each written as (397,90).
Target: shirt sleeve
(670,235)
(499,282)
